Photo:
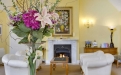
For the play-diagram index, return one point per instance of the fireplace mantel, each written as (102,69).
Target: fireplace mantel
(52,42)
(62,39)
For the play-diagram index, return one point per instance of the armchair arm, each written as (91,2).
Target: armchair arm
(14,60)
(6,58)
(103,62)
(18,63)
(85,54)
(98,63)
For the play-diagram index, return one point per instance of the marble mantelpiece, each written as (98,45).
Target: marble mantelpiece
(52,42)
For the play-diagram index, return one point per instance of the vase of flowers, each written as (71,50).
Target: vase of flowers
(32,20)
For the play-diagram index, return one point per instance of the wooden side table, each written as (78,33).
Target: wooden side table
(55,60)
(112,51)
(117,58)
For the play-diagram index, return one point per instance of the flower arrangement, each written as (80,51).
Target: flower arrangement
(32,20)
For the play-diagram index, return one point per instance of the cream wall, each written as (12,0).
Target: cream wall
(63,3)
(4,39)
(75,5)
(103,13)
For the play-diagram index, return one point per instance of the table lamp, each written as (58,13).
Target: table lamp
(111,36)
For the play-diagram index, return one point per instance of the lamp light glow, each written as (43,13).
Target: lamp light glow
(88,23)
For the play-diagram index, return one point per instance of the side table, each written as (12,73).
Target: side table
(117,58)
(55,60)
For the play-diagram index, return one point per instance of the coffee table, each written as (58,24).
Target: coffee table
(55,60)
(117,58)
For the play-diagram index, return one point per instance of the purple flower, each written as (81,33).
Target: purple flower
(29,20)
(15,18)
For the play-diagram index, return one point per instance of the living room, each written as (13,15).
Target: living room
(102,13)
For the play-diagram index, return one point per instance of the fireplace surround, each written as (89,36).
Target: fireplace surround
(52,42)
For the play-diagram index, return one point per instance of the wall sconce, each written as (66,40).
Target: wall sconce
(111,36)
(87,23)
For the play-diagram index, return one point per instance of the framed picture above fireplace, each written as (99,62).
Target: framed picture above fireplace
(63,26)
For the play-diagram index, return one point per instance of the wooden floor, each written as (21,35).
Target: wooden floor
(73,70)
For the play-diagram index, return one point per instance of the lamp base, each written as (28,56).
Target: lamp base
(111,45)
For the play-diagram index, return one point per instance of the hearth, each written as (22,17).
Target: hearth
(62,50)
(52,42)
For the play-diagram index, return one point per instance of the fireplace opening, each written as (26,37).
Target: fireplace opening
(62,50)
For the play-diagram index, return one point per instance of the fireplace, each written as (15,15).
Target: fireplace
(62,50)
(73,49)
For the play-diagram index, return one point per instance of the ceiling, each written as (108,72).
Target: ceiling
(116,4)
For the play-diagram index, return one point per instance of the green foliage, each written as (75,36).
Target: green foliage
(48,32)
(23,28)
(40,48)
(34,39)
(19,32)
(37,34)
(24,40)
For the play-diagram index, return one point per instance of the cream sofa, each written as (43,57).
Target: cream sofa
(15,65)
(23,53)
(96,63)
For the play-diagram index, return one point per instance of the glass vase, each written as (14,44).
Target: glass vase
(32,65)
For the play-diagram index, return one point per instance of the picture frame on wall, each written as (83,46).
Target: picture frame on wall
(0,29)
(63,26)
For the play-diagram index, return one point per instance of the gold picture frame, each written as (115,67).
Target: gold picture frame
(64,23)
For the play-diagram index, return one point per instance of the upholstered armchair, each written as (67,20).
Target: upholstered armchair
(15,65)
(23,53)
(96,63)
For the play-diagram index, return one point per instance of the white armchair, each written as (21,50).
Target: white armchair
(23,53)
(15,65)
(96,63)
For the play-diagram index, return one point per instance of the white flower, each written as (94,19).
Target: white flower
(38,53)
(26,59)
(29,50)
(35,59)
(44,17)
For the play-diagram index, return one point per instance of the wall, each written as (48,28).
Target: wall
(63,3)
(103,13)
(4,39)
(75,5)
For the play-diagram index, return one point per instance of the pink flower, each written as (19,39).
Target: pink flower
(55,15)
(44,17)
